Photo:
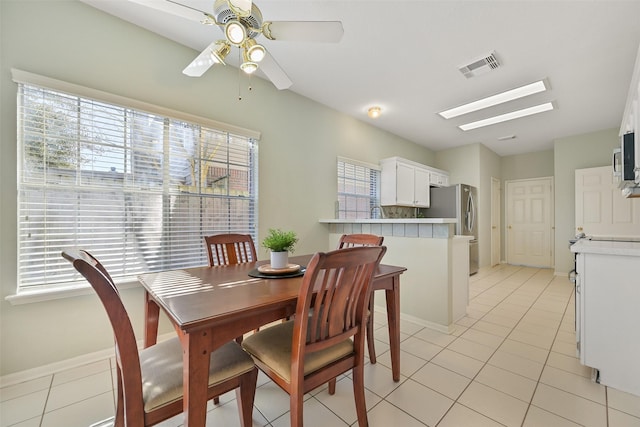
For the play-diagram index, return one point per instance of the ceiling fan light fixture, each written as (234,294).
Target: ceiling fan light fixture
(254,51)
(221,52)
(235,32)
(249,67)
(374,112)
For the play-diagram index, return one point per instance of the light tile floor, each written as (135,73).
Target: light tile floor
(510,362)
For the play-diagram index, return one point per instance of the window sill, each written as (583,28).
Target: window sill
(42,295)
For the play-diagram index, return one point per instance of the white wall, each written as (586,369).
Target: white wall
(70,41)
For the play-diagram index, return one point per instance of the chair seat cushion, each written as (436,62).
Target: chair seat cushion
(272,346)
(161,369)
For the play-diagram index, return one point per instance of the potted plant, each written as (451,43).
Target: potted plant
(280,243)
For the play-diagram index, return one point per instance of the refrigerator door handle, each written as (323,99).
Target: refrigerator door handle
(471,217)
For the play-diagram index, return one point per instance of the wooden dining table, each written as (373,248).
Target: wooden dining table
(210,306)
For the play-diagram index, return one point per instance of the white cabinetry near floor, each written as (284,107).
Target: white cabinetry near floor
(608,311)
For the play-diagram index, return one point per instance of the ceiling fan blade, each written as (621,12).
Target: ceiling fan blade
(240,7)
(305,31)
(274,72)
(202,63)
(176,9)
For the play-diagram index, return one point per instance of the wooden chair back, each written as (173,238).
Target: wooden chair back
(127,357)
(353,240)
(130,406)
(230,249)
(332,306)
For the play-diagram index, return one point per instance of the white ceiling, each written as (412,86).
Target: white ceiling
(404,56)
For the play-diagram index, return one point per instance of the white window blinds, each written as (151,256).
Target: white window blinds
(358,189)
(136,189)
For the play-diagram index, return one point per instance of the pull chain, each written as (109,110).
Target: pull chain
(240,74)
(249,87)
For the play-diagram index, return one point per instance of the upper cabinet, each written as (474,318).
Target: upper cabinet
(438,178)
(406,183)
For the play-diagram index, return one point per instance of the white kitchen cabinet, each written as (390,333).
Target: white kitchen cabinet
(438,179)
(607,315)
(404,183)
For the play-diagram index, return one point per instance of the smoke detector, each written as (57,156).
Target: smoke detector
(480,66)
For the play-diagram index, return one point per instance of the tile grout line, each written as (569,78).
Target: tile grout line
(502,342)
(44,407)
(547,359)
(485,363)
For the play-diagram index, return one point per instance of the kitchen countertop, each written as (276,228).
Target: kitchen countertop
(607,247)
(390,221)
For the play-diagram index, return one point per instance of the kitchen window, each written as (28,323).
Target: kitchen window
(137,188)
(358,189)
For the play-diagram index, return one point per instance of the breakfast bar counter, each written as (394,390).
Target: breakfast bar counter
(435,287)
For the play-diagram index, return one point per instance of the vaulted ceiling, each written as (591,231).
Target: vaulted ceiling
(404,56)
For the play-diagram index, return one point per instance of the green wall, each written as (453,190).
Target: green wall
(73,42)
(474,164)
(525,166)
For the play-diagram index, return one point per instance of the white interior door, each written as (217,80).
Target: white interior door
(530,222)
(601,210)
(495,221)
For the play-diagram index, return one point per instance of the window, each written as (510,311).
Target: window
(139,190)
(358,189)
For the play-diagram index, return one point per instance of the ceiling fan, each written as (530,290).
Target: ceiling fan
(241,22)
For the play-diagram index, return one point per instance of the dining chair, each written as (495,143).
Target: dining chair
(350,241)
(150,388)
(230,249)
(326,336)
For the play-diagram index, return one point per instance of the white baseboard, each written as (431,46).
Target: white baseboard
(63,365)
(431,325)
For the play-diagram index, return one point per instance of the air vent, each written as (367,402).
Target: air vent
(481,66)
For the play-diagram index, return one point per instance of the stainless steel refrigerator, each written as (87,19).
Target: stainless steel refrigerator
(461,202)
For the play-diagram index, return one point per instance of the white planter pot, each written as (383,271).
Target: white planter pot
(279,259)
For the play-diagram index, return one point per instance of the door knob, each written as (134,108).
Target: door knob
(509,227)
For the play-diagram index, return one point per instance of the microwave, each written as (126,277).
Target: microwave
(624,161)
